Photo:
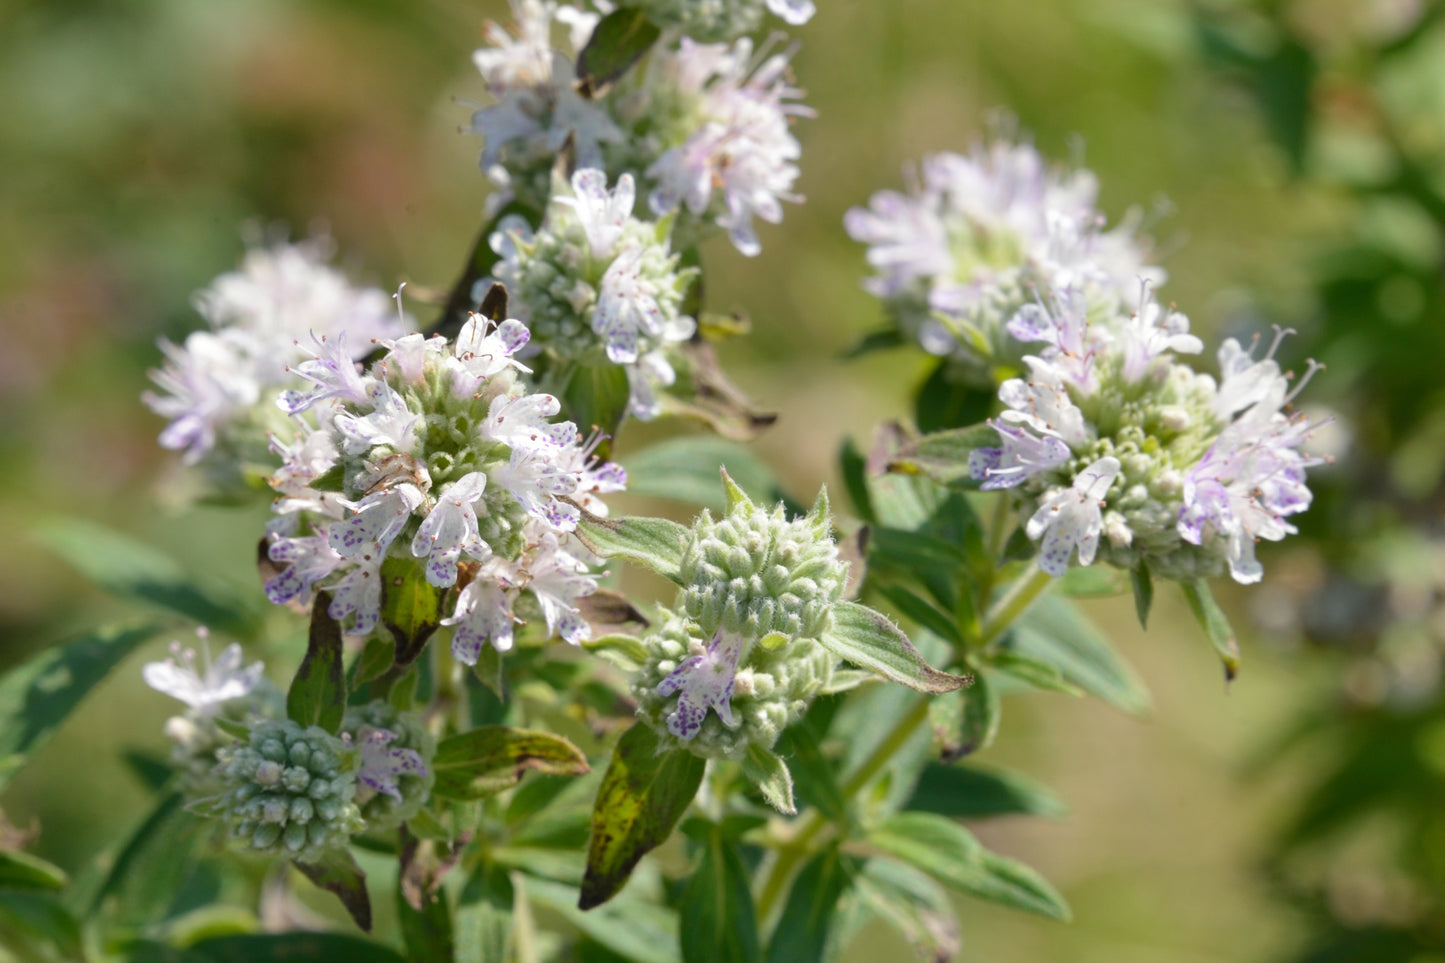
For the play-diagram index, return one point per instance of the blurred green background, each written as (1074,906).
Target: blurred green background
(1264,140)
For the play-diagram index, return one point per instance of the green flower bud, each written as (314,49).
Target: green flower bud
(288,791)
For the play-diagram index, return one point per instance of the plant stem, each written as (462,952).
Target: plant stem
(1028,587)
(1013,603)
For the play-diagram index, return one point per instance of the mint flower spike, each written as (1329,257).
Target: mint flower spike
(598,285)
(443,456)
(279,316)
(739,658)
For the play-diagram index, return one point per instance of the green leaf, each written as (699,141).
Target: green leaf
(619,41)
(869,640)
(975,791)
(767,770)
(654,543)
(1143,585)
(36,696)
(20,870)
(410,606)
(338,873)
(921,611)
(945,402)
(802,931)
(873,341)
(33,916)
(427,932)
(921,558)
(132,569)
(914,903)
(489,759)
(595,397)
(854,469)
(979,725)
(1215,623)
(636,930)
(318,693)
(817,781)
(294,948)
(375,659)
(643,794)
(1029,670)
(484,916)
(950,854)
(145,876)
(685,469)
(718,919)
(1055,631)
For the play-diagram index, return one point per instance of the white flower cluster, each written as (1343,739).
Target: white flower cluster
(596,285)
(218,388)
(1115,448)
(978,237)
(437,462)
(705,126)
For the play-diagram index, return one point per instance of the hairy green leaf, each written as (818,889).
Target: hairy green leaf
(36,696)
(718,919)
(618,41)
(338,873)
(643,794)
(1055,631)
(410,606)
(655,543)
(489,759)
(685,469)
(318,693)
(801,935)
(1215,623)
(869,640)
(767,770)
(976,791)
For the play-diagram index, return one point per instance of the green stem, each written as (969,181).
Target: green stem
(1013,603)
(1027,588)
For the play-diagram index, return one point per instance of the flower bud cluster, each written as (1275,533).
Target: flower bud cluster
(739,659)
(597,286)
(704,126)
(1114,448)
(978,237)
(289,791)
(437,463)
(395,775)
(218,388)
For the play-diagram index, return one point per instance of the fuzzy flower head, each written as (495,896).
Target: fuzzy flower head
(978,237)
(436,460)
(217,388)
(598,286)
(740,659)
(536,107)
(713,132)
(1114,449)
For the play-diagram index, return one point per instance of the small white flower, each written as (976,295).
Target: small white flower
(558,579)
(376,521)
(204,691)
(381,764)
(308,560)
(702,682)
(1071,518)
(358,593)
(602,213)
(389,422)
(483,615)
(451,529)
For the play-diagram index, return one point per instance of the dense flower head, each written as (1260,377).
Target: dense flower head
(436,463)
(217,388)
(1115,449)
(740,658)
(977,237)
(718,695)
(720,20)
(599,286)
(394,774)
(287,791)
(537,108)
(706,127)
